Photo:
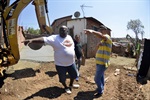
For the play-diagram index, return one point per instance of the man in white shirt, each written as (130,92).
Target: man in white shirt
(64,55)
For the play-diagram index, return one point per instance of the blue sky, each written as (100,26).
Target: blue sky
(115,14)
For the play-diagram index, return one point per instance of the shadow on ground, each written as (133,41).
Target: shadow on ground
(24,73)
(51,73)
(50,93)
(85,95)
(2,79)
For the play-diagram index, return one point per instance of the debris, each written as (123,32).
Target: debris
(114,55)
(131,74)
(117,72)
(130,68)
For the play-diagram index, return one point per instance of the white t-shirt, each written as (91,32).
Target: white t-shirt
(63,55)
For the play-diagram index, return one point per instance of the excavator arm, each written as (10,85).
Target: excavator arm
(9,50)
(41,12)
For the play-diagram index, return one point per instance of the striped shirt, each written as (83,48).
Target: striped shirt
(104,51)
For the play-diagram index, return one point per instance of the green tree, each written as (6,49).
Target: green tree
(137,27)
(33,31)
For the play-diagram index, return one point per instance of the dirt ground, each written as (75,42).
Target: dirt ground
(39,81)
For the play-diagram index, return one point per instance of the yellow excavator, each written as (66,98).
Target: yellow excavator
(134,46)
(9,50)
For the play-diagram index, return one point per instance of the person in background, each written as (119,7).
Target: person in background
(64,55)
(78,52)
(102,58)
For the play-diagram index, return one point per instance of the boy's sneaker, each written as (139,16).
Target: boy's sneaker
(68,91)
(76,85)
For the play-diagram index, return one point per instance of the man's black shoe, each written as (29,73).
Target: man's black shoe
(97,95)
